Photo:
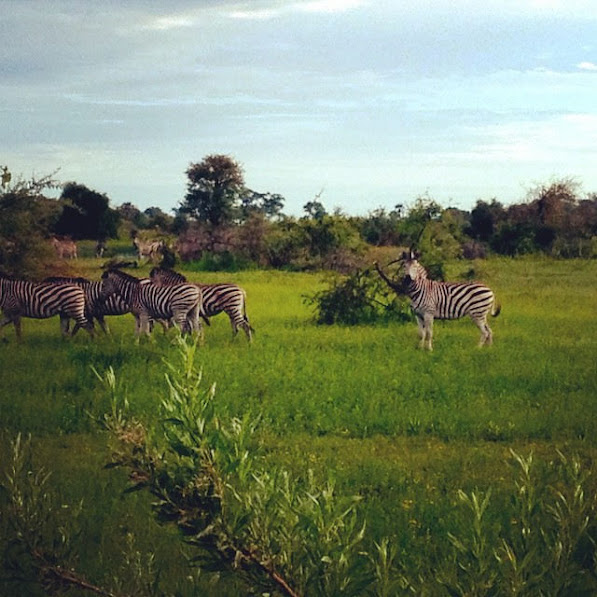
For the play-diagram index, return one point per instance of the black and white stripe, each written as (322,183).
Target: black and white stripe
(97,307)
(217,298)
(148,301)
(443,300)
(21,298)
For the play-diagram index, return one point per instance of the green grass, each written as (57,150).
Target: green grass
(401,427)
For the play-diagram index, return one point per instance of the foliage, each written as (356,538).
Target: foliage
(402,429)
(252,203)
(359,298)
(279,534)
(380,227)
(86,214)
(26,215)
(220,262)
(548,548)
(213,188)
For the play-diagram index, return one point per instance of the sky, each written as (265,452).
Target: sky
(362,103)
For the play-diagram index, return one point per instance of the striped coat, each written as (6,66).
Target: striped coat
(97,307)
(217,298)
(443,300)
(21,298)
(181,304)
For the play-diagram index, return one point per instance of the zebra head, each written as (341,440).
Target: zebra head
(410,266)
(117,282)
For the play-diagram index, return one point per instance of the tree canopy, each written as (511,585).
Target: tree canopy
(213,188)
(86,214)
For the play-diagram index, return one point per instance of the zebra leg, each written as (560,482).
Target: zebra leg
(17,323)
(15,320)
(248,330)
(428,332)
(103,325)
(143,324)
(234,326)
(421,330)
(179,319)
(486,333)
(65,325)
(193,320)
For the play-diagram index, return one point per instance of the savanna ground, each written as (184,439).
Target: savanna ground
(402,428)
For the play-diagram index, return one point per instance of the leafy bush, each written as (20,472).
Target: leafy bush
(359,298)
(220,262)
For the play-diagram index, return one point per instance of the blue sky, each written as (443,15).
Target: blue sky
(372,102)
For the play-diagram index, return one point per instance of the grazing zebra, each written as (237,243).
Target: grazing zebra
(148,301)
(20,298)
(229,298)
(150,248)
(443,300)
(65,248)
(96,306)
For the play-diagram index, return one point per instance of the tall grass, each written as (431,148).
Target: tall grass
(403,428)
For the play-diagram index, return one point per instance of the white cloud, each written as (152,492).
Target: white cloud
(169,22)
(313,6)
(587,66)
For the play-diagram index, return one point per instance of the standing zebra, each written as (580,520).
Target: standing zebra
(229,298)
(148,301)
(20,298)
(443,300)
(96,306)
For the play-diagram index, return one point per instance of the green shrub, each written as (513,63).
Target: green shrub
(359,298)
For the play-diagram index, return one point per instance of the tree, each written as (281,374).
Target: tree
(484,219)
(252,203)
(424,210)
(213,188)
(157,218)
(86,214)
(131,213)
(26,215)
(315,209)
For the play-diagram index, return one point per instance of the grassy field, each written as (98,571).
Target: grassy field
(402,428)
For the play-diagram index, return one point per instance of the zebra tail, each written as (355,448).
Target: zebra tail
(497,308)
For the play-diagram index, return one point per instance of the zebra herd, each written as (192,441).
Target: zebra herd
(165,297)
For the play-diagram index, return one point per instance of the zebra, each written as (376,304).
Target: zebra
(148,301)
(226,297)
(65,248)
(443,300)
(21,298)
(148,248)
(96,306)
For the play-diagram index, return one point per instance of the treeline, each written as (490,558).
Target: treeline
(223,224)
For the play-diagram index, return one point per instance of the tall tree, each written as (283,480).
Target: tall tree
(86,213)
(213,189)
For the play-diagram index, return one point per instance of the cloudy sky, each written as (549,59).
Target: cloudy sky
(373,102)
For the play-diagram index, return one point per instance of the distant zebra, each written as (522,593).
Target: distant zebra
(443,300)
(148,301)
(20,298)
(65,248)
(148,248)
(96,306)
(228,298)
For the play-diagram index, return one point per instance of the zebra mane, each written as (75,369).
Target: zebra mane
(67,280)
(156,271)
(121,275)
